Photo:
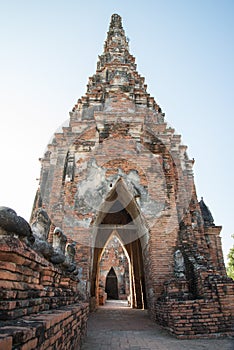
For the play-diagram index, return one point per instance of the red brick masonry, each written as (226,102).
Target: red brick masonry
(208,316)
(117,168)
(39,305)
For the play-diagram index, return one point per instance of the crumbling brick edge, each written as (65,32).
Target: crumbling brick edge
(63,328)
(194,319)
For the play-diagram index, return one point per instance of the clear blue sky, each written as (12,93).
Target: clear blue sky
(184,49)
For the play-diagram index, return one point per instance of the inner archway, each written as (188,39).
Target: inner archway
(111,287)
(121,214)
(114,271)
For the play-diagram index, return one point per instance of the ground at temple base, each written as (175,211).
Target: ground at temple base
(115,326)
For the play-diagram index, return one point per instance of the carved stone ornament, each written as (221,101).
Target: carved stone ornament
(179,268)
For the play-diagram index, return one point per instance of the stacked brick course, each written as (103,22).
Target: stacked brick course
(119,167)
(39,305)
(207,317)
(62,328)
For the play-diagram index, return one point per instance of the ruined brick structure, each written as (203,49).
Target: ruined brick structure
(119,169)
(40,307)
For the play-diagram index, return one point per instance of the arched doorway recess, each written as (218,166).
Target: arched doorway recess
(114,262)
(111,287)
(121,214)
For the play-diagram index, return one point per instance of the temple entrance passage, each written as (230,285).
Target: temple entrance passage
(114,266)
(118,262)
(112,285)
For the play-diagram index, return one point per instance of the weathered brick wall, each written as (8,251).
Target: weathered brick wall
(63,329)
(211,316)
(39,305)
(195,318)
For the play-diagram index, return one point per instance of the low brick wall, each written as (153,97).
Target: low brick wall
(62,328)
(40,307)
(194,318)
(29,283)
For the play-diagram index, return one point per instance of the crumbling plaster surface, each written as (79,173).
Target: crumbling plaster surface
(96,176)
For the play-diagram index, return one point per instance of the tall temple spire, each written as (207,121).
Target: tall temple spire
(116,73)
(116,35)
(119,169)
(116,45)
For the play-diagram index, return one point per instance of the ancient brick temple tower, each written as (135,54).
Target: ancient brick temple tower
(118,170)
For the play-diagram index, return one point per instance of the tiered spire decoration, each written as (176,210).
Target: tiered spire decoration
(206,214)
(116,72)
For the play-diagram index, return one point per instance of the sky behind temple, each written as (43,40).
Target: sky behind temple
(183,48)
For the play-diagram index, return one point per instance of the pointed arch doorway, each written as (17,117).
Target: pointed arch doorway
(114,271)
(111,287)
(120,214)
